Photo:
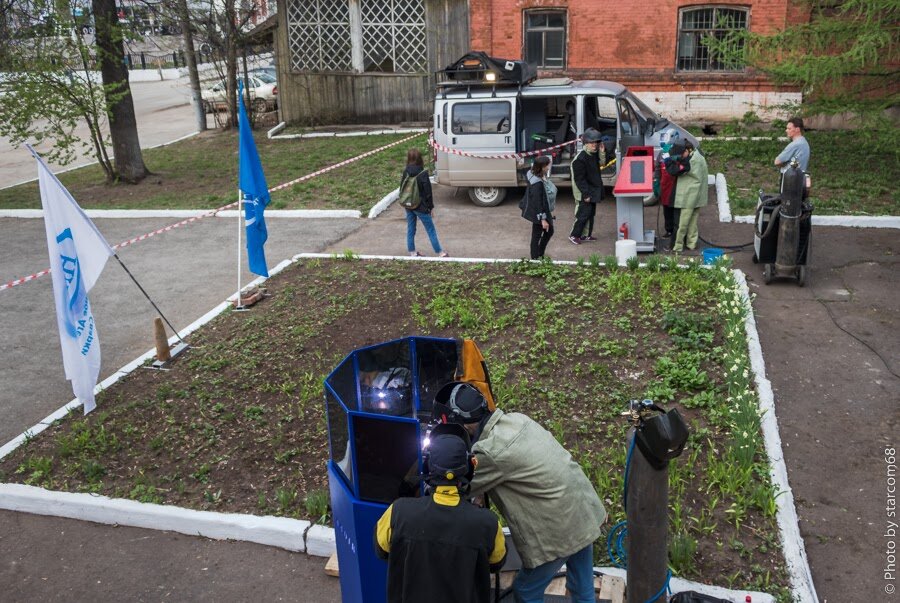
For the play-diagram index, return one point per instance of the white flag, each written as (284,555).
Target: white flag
(78,253)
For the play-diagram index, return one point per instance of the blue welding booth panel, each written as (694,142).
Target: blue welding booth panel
(363,575)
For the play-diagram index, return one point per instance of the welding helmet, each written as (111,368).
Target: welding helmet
(668,138)
(459,402)
(661,437)
(591,135)
(447,458)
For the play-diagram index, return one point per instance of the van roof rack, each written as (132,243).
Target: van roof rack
(479,69)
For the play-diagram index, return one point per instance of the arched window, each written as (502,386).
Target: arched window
(545,38)
(694,24)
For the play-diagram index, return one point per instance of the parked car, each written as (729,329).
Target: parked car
(263,94)
(265,71)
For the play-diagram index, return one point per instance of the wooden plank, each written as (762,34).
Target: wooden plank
(331,568)
(608,588)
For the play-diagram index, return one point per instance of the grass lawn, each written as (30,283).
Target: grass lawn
(201,173)
(851,174)
(239,425)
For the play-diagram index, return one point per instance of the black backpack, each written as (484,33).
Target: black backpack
(409,191)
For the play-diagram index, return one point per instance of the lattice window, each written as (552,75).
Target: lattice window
(697,24)
(393,36)
(319,35)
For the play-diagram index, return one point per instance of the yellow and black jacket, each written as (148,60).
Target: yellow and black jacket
(439,549)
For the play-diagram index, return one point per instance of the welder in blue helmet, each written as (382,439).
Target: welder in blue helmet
(441,548)
(552,509)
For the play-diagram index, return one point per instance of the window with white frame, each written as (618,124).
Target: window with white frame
(545,38)
(386,36)
(695,24)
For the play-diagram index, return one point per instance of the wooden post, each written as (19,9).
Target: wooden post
(162,342)
(648,523)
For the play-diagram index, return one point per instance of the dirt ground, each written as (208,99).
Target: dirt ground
(832,352)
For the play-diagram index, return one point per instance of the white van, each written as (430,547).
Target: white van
(483,115)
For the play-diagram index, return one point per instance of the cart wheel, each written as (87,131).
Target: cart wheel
(755,258)
(801,275)
(767,273)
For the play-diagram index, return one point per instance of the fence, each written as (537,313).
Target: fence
(147,60)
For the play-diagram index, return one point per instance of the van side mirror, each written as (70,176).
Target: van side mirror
(651,125)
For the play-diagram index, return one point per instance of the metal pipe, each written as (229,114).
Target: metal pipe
(647,516)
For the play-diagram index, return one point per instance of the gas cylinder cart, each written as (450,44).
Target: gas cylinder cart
(783,229)
(635,182)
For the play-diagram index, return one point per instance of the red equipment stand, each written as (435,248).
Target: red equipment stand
(635,181)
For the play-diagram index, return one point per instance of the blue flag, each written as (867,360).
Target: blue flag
(254,190)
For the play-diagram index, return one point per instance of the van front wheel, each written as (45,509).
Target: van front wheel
(487,196)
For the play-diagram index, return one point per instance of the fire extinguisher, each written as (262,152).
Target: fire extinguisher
(623,231)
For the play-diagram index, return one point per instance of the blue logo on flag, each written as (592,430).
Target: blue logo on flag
(76,301)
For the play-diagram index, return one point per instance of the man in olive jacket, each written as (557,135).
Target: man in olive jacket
(552,510)
(691,193)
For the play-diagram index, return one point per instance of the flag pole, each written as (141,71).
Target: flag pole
(152,303)
(237,304)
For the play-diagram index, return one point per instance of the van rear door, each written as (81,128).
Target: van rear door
(484,127)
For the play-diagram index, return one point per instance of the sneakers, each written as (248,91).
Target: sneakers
(443,254)
(415,254)
(588,238)
(574,240)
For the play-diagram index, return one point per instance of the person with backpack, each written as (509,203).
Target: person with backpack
(538,205)
(416,198)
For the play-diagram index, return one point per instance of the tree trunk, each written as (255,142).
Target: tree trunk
(185,18)
(231,61)
(122,124)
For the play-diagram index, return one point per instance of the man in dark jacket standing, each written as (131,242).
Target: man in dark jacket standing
(587,184)
(440,548)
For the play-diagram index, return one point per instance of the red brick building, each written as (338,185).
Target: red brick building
(654,48)
(373,61)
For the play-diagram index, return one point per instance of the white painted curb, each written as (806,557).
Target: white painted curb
(348,134)
(273,531)
(802,586)
(680,585)
(281,126)
(722,199)
(384,203)
(847,221)
(730,138)
(189,213)
(388,199)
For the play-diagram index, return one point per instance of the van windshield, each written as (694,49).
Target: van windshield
(640,108)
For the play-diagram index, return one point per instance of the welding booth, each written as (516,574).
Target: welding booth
(378,401)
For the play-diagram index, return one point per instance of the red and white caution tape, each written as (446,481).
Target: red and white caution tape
(343,163)
(31,277)
(433,143)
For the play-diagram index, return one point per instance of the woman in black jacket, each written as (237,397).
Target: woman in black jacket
(540,198)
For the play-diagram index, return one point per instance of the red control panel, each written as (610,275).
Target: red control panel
(635,176)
